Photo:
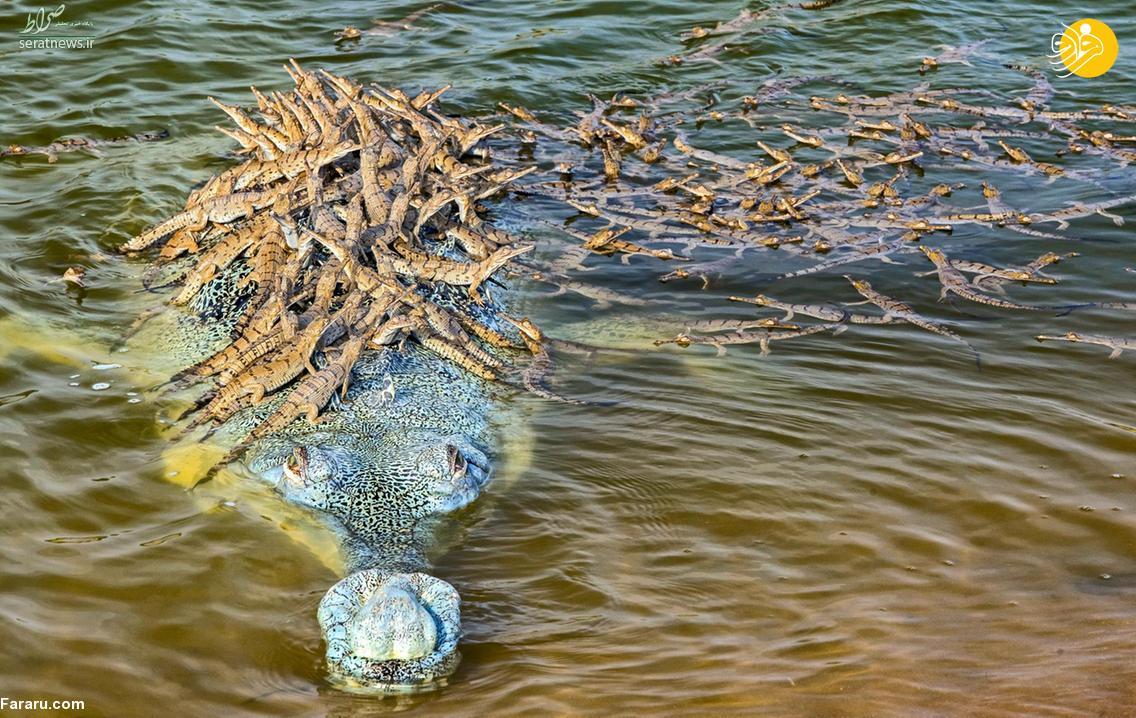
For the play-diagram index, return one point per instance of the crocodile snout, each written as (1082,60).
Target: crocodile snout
(391,631)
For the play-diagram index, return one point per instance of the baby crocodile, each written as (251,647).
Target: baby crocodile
(1033,269)
(826,312)
(534,376)
(383,28)
(719,341)
(77,144)
(872,248)
(989,277)
(897,309)
(953,282)
(1117,344)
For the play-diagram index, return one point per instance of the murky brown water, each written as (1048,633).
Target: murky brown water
(862,525)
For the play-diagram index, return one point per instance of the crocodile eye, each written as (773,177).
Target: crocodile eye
(457,461)
(297,461)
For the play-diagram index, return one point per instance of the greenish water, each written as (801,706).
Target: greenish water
(862,525)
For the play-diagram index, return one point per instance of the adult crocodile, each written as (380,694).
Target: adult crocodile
(332,296)
(407,445)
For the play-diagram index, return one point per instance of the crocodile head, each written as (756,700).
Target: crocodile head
(387,627)
(404,477)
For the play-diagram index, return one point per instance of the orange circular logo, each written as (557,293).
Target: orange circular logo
(1086,48)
